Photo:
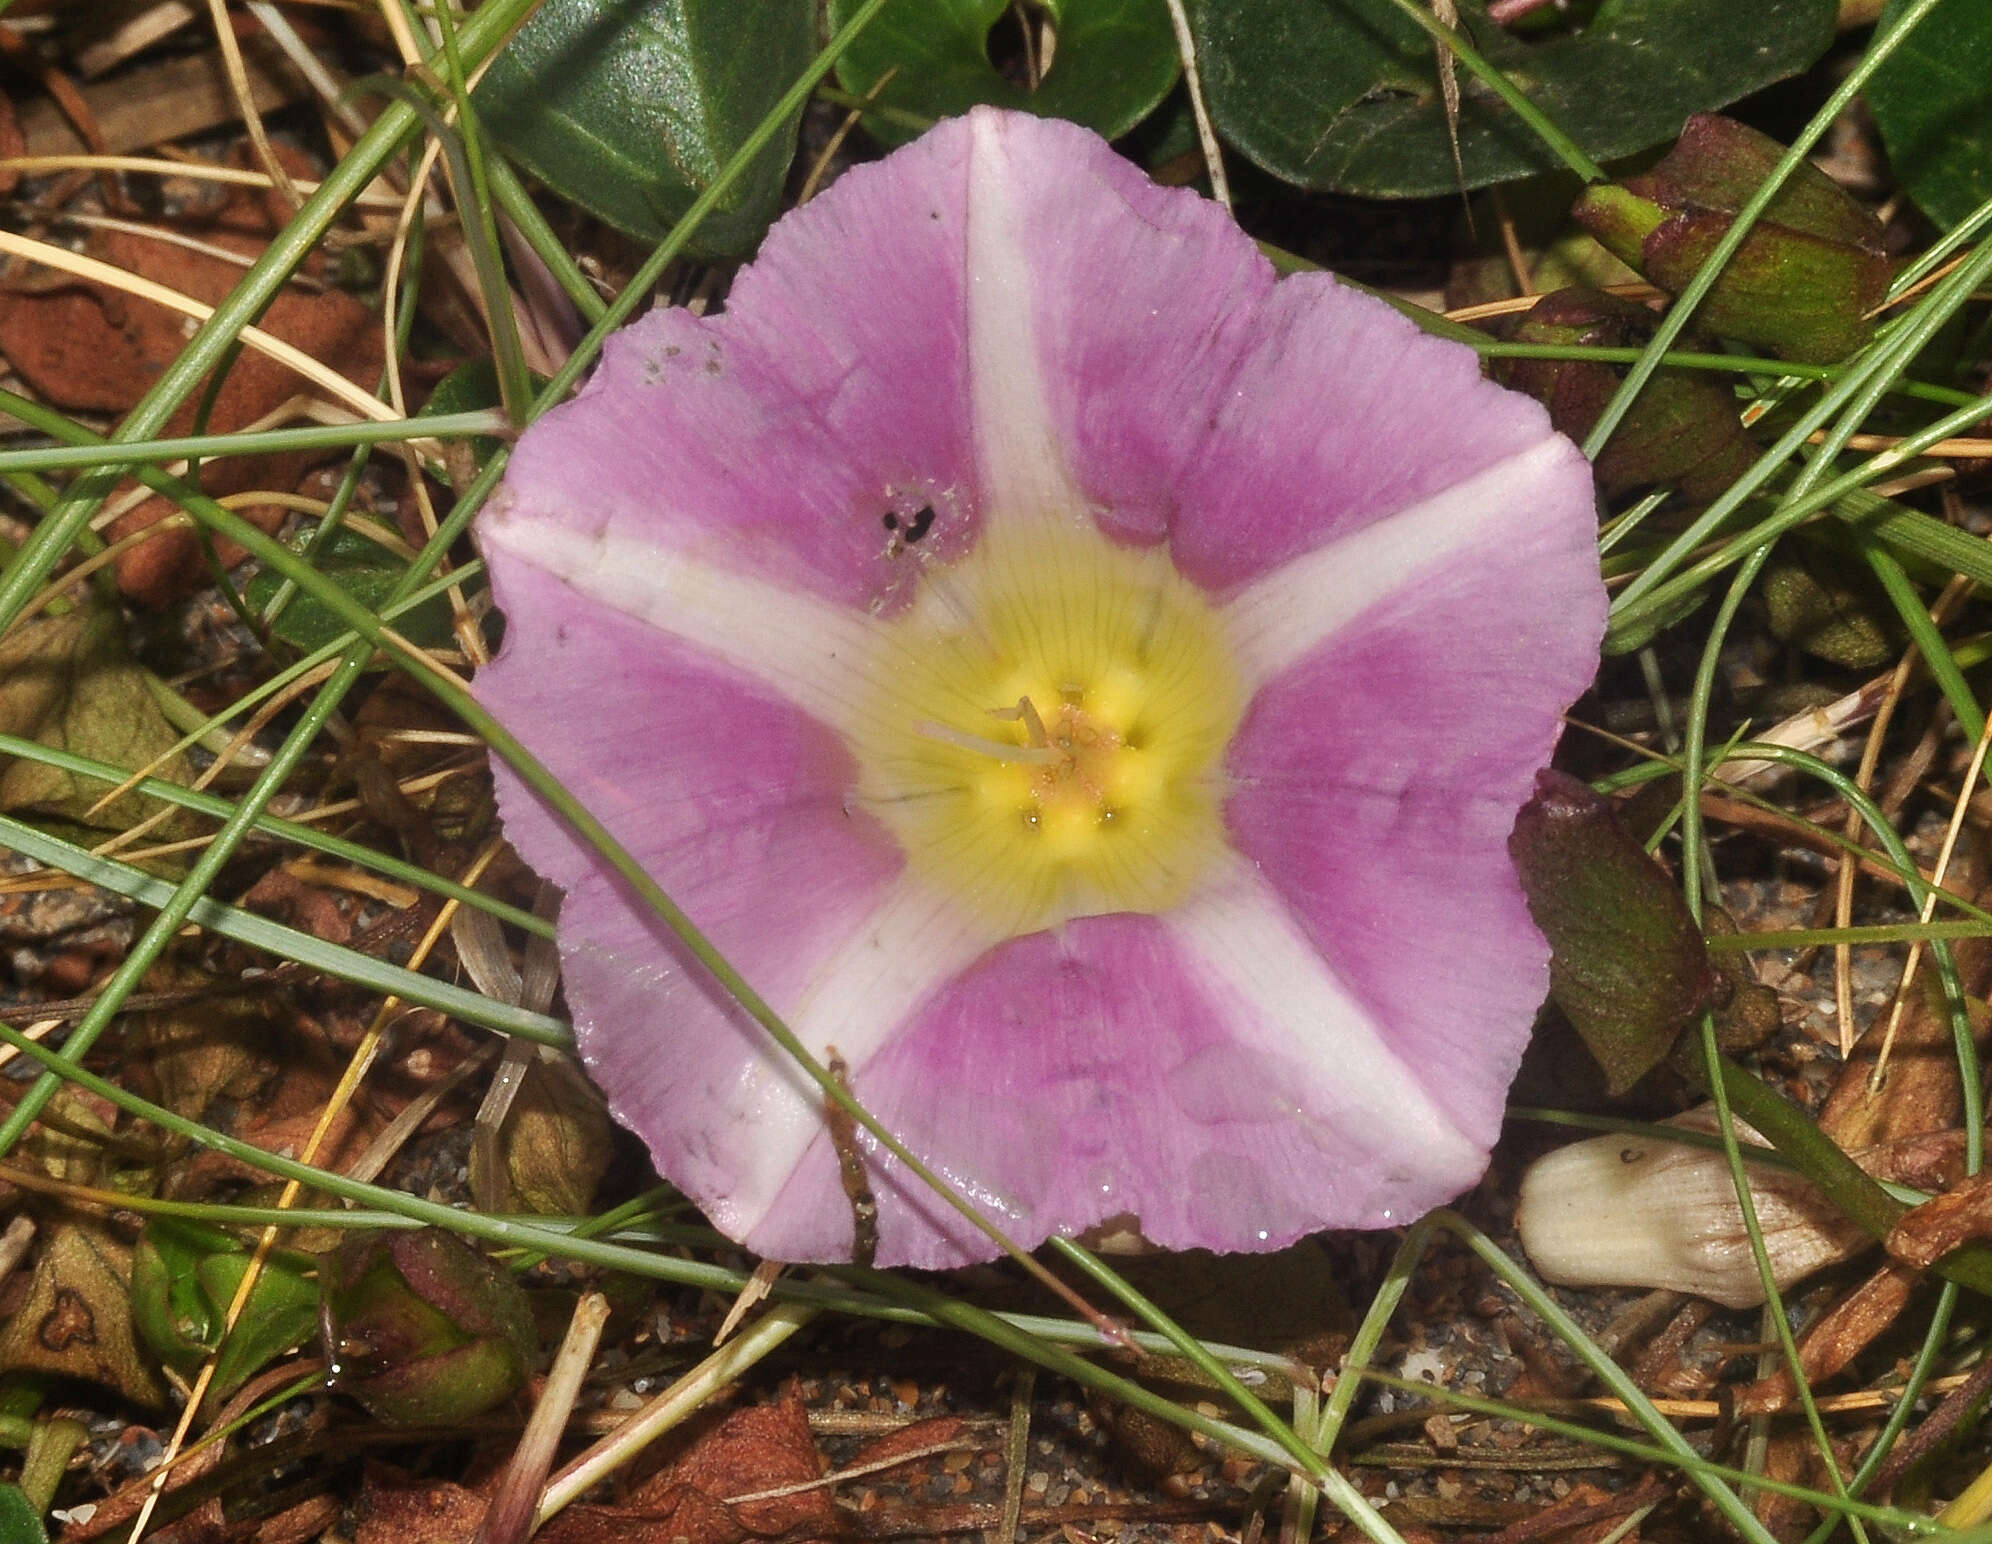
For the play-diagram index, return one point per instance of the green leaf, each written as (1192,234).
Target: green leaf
(1827,603)
(1344,94)
(20,1523)
(1627,964)
(1933,103)
(183,1277)
(1113,61)
(365,571)
(465,389)
(629,108)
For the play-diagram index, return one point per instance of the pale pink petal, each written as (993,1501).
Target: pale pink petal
(1009,325)
(817,659)
(1286,615)
(1198,1072)
(1194,398)
(774,438)
(733,798)
(1342,414)
(1377,780)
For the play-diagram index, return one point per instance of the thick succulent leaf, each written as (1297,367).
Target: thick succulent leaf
(1344,94)
(1627,965)
(1114,60)
(1933,103)
(631,107)
(424,1331)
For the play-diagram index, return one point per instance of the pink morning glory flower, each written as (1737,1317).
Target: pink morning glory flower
(1082,680)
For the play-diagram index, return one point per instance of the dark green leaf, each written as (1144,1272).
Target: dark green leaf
(1682,431)
(464,390)
(1933,103)
(19,1522)
(1627,965)
(1114,60)
(1827,603)
(631,107)
(1344,94)
(365,571)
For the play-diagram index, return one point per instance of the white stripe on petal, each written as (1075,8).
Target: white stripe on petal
(1017,451)
(1285,616)
(1281,998)
(818,655)
(912,944)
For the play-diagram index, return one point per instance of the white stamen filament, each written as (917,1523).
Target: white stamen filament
(1027,712)
(1034,755)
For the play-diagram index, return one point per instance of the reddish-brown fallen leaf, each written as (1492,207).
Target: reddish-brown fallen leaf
(282,1122)
(310,1519)
(91,348)
(1933,1161)
(395,1509)
(1792,1456)
(1925,1234)
(918,1437)
(1661,1368)
(13,143)
(314,909)
(750,1453)
(1834,1339)
(1584,1516)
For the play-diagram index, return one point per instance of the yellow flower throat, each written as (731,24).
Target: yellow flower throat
(1054,712)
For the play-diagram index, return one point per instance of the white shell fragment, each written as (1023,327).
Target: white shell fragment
(1625,1211)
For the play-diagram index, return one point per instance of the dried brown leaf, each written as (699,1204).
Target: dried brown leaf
(68,682)
(555,1141)
(75,1321)
(750,1452)
(212,1047)
(396,1509)
(1920,1094)
(1834,1339)
(915,1437)
(13,144)
(1926,1233)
